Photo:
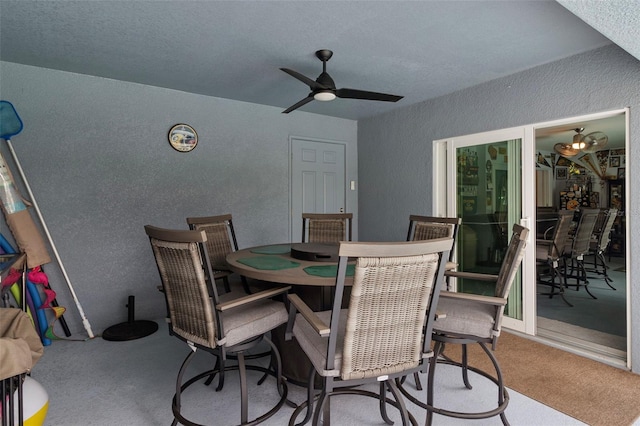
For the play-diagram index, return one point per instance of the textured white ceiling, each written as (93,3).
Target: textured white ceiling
(234,49)
(619,20)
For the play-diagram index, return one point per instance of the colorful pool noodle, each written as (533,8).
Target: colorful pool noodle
(42,317)
(15,290)
(32,292)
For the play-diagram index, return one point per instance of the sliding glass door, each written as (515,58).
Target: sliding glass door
(483,182)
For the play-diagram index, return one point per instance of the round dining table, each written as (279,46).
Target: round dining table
(276,263)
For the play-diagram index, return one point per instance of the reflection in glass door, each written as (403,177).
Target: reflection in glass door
(488,181)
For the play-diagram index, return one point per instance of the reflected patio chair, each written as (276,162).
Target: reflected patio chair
(469,318)
(221,240)
(580,248)
(385,331)
(550,256)
(326,227)
(598,245)
(218,324)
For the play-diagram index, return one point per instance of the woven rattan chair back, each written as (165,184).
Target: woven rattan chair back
(429,227)
(221,238)
(390,298)
(180,265)
(326,227)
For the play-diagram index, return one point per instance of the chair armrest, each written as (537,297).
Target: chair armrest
(304,309)
(450,266)
(266,294)
(471,275)
(490,300)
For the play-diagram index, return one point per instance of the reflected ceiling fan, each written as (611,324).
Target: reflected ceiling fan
(589,143)
(324,89)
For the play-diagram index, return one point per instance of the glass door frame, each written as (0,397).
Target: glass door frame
(444,183)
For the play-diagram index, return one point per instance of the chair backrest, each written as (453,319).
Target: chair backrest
(584,231)
(388,325)
(600,220)
(560,234)
(508,270)
(326,227)
(180,256)
(605,232)
(430,227)
(512,259)
(221,237)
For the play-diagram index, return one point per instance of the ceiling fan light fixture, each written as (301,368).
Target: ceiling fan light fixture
(578,143)
(324,96)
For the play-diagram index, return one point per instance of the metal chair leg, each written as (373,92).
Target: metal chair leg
(177,397)
(503,395)
(465,367)
(383,404)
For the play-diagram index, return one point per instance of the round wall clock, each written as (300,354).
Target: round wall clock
(183,137)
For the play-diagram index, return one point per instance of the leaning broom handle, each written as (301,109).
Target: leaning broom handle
(85,321)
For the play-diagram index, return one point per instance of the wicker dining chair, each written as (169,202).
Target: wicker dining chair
(326,227)
(551,257)
(221,240)
(218,324)
(385,331)
(470,318)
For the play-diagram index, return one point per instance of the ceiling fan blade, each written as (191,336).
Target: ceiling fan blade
(313,85)
(595,141)
(565,149)
(363,94)
(299,104)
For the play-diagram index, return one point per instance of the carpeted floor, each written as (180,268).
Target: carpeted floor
(590,391)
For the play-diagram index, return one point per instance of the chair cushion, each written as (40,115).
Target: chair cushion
(465,317)
(316,347)
(253,319)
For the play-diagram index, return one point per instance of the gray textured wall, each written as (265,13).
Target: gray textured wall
(96,155)
(395,168)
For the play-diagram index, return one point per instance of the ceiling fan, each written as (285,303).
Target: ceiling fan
(324,89)
(589,143)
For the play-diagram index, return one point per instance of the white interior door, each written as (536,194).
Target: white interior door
(485,180)
(318,178)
